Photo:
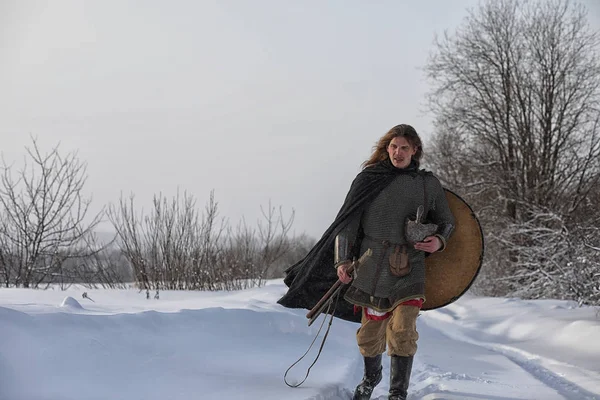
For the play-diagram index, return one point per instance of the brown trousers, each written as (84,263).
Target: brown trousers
(399,331)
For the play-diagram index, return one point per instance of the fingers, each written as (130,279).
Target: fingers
(343,274)
(344,277)
(430,244)
(422,247)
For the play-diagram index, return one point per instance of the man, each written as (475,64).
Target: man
(389,287)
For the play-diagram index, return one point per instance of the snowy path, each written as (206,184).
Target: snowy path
(231,345)
(452,364)
(449,368)
(459,359)
(455,366)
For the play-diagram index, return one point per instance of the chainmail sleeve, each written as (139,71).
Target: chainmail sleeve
(345,246)
(440,212)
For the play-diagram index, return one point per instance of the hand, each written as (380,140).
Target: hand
(430,244)
(342,272)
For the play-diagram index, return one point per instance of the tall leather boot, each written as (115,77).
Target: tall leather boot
(400,368)
(371,378)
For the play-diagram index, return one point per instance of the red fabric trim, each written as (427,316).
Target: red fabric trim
(377,317)
(412,302)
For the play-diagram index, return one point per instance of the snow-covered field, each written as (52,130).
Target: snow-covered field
(56,345)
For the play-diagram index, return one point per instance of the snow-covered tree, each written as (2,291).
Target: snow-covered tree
(516,99)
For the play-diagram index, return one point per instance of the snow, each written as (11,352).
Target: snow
(70,302)
(237,345)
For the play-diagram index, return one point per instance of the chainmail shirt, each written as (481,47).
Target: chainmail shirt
(383,220)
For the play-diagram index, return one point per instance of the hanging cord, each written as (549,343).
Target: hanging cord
(313,342)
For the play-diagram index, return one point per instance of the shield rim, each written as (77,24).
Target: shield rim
(453,299)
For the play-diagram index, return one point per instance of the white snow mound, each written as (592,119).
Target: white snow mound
(71,303)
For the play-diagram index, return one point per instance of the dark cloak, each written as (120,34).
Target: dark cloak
(310,278)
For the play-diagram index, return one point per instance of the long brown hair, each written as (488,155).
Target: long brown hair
(380,149)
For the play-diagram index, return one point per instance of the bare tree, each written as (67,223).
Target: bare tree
(43,217)
(273,233)
(299,246)
(176,247)
(255,252)
(209,249)
(172,247)
(105,268)
(127,225)
(517,112)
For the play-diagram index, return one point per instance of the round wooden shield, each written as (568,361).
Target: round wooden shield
(450,273)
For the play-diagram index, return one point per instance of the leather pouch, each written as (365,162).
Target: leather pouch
(399,264)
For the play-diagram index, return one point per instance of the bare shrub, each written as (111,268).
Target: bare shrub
(176,247)
(45,229)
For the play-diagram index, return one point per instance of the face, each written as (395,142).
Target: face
(400,152)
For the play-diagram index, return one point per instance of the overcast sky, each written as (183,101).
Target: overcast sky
(259,100)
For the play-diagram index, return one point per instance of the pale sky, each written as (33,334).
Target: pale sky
(259,100)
